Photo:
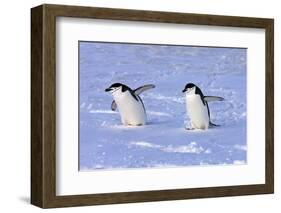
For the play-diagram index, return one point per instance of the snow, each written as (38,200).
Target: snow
(190,148)
(164,142)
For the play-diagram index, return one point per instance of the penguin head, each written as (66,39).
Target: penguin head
(190,88)
(116,87)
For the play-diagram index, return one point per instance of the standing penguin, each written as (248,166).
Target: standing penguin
(129,103)
(197,106)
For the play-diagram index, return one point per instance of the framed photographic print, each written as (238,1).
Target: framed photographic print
(136,106)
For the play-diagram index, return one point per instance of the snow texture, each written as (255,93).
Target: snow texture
(164,142)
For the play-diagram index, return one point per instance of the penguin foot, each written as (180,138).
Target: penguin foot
(189,128)
(212,125)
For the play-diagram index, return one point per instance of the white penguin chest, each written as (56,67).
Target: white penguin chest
(197,111)
(131,110)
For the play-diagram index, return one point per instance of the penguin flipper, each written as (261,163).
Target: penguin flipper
(213,98)
(113,106)
(143,88)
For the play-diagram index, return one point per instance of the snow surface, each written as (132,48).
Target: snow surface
(106,144)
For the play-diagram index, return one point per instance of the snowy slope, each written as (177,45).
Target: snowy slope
(106,144)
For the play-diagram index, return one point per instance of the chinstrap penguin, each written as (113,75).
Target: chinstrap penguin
(129,103)
(197,107)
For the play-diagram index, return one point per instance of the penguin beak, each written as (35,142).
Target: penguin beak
(108,89)
(184,90)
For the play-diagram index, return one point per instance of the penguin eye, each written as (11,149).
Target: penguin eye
(117,88)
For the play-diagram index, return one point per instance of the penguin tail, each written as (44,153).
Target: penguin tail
(212,125)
